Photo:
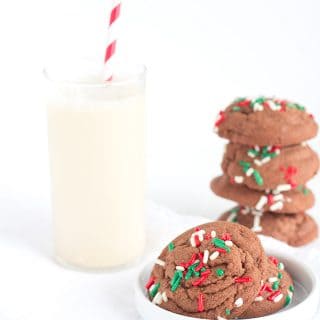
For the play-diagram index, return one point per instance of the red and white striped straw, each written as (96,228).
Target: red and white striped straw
(112,41)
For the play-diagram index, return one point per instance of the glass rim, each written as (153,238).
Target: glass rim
(140,71)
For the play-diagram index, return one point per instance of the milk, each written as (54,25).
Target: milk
(96,147)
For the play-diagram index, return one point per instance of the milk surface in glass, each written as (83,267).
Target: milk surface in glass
(96,147)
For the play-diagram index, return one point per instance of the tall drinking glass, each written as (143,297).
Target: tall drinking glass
(97,149)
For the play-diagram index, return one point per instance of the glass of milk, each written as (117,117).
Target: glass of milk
(96,136)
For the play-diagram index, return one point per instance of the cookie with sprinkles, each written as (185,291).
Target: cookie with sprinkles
(296,200)
(294,229)
(276,292)
(270,167)
(213,272)
(265,121)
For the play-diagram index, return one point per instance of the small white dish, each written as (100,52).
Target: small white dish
(304,305)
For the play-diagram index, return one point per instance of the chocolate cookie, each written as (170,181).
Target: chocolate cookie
(276,292)
(214,270)
(270,167)
(294,229)
(294,201)
(265,121)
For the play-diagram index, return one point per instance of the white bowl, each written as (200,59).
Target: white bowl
(304,305)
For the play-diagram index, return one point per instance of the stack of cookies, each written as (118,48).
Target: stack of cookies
(266,166)
(219,271)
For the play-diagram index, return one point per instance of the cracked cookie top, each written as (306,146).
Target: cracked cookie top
(213,271)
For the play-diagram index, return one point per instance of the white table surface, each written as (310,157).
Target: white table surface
(34,287)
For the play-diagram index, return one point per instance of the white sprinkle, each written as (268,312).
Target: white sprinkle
(214,234)
(229,243)
(160,262)
(245,210)
(256,224)
(157,299)
(281,266)
(267,191)
(164,297)
(214,256)
(304,144)
(238,179)
(257,107)
(283,187)
(278,298)
(276,206)
(249,172)
(273,279)
(277,151)
(273,106)
(205,256)
(290,294)
(257,148)
(278,197)
(261,203)
(220,318)
(255,212)
(239,302)
(192,241)
(231,217)
(258,162)
(201,234)
(251,154)
(152,287)
(216,129)
(180,268)
(265,160)
(258,299)
(288,199)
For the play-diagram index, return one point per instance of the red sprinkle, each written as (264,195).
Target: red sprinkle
(270,199)
(197,240)
(244,103)
(200,302)
(222,117)
(274,260)
(232,180)
(207,236)
(150,282)
(266,104)
(191,261)
(243,279)
(198,268)
(196,229)
(274,295)
(226,236)
(264,288)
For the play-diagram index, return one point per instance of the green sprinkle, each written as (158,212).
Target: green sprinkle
(264,150)
(280,266)
(291,288)
(258,178)
(296,106)
(196,273)
(245,165)
(220,244)
(275,285)
(259,100)
(203,269)
(228,312)
(253,151)
(280,275)
(219,272)
(236,108)
(192,267)
(189,274)
(171,246)
(235,210)
(235,219)
(155,289)
(305,191)
(175,282)
(287,301)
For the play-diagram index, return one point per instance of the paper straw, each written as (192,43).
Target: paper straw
(112,41)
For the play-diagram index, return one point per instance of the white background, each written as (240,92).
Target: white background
(200,54)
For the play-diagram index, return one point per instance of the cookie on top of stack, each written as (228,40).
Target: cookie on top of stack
(266,166)
(219,271)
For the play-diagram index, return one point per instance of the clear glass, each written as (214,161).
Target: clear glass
(96,134)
